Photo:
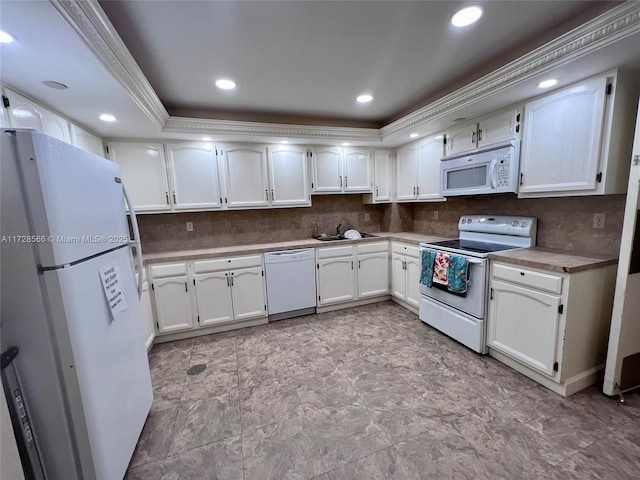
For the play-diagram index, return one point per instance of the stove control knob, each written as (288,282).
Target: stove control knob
(514,223)
(464,221)
(523,224)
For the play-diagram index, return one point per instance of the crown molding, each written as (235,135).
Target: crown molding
(88,19)
(228,127)
(613,25)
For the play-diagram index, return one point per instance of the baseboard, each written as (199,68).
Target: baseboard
(568,387)
(355,303)
(170,337)
(406,305)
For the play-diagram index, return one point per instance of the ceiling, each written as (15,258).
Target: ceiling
(299,65)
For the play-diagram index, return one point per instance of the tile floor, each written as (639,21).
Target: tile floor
(369,393)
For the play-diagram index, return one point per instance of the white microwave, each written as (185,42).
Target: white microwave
(493,170)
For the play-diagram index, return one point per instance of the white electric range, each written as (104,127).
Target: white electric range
(463,316)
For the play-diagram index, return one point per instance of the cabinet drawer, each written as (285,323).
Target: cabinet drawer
(204,266)
(333,252)
(529,278)
(372,247)
(168,270)
(404,249)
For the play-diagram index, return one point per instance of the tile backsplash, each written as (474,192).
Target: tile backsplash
(165,232)
(563,223)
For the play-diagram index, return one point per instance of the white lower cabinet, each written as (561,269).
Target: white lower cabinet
(551,326)
(405,273)
(146,314)
(171,297)
(350,273)
(336,275)
(206,293)
(373,269)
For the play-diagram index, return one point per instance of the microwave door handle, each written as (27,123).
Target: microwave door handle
(493,173)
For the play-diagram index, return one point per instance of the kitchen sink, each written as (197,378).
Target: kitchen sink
(368,235)
(331,238)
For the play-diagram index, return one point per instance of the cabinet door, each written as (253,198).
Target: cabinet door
(382,176)
(413,281)
(247,291)
(23,113)
(213,297)
(562,136)
(327,169)
(499,128)
(54,125)
(289,176)
(462,139)
(245,170)
(429,154)
(373,274)
(398,277)
(146,313)
(523,323)
(173,305)
(86,140)
(357,170)
(194,176)
(144,174)
(336,280)
(406,170)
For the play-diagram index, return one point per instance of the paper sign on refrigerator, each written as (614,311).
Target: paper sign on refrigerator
(110,276)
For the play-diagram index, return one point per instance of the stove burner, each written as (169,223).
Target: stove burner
(472,246)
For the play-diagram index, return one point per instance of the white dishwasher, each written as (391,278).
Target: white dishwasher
(291,283)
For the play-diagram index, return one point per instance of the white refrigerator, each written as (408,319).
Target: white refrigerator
(70,305)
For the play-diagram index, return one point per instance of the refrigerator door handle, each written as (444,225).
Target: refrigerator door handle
(135,242)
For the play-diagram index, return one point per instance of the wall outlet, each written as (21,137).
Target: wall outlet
(189,226)
(367,217)
(599,220)
(436,215)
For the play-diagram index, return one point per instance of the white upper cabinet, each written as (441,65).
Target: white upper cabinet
(327,170)
(418,171)
(144,173)
(245,174)
(25,113)
(382,178)
(406,168)
(337,170)
(429,153)
(498,127)
(357,170)
(577,140)
(86,140)
(289,176)
(194,176)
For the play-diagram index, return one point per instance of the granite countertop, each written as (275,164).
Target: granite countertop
(553,260)
(196,254)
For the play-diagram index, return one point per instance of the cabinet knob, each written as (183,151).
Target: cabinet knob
(522,273)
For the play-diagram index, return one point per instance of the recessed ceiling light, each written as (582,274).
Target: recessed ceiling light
(547,83)
(206,139)
(466,16)
(346,144)
(364,98)
(225,84)
(284,142)
(56,85)
(107,117)
(413,135)
(6,37)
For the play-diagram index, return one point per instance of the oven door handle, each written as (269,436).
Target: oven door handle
(475,262)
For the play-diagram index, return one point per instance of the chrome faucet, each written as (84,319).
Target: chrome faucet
(338,229)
